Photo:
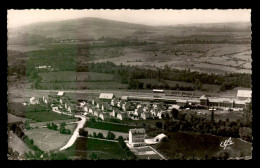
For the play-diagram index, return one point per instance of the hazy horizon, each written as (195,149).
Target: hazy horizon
(16,18)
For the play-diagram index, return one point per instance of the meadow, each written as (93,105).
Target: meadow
(85,147)
(47,139)
(46,116)
(109,126)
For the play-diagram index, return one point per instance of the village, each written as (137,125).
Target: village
(107,108)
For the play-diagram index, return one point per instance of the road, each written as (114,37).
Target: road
(75,134)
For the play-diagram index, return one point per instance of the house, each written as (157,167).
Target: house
(145,115)
(90,110)
(115,112)
(121,116)
(120,103)
(162,114)
(106,107)
(244,94)
(85,108)
(138,111)
(54,108)
(140,105)
(106,96)
(114,102)
(97,113)
(93,102)
(60,93)
(33,100)
(154,112)
(104,116)
(126,106)
(137,137)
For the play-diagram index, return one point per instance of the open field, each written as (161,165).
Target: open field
(84,147)
(47,139)
(46,116)
(70,76)
(109,126)
(83,85)
(198,145)
(41,124)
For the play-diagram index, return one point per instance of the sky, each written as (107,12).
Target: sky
(16,18)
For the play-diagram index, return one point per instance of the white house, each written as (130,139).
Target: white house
(145,115)
(33,101)
(114,102)
(97,112)
(85,108)
(104,116)
(138,111)
(115,112)
(90,110)
(121,116)
(60,93)
(54,108)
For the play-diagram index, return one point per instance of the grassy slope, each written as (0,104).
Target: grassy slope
(103,149)
(189,144)
(109,126)
(46,116)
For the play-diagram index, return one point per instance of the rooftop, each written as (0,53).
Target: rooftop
(106,95)
(244,93)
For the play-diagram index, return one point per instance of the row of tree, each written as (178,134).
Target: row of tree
(128,75)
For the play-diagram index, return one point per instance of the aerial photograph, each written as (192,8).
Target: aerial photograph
(155,84)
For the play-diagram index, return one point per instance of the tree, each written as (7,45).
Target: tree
(110,135)
(175,113)
(83,132)
(100,135)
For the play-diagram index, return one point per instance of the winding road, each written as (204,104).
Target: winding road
(76,132)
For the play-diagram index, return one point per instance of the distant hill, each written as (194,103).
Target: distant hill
(86,28)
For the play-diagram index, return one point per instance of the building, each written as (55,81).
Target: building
(204,101)
(159,137)
(106,96)
(60,93)
(145,115)
(33,100)
(158,91)
(137,137)
(244,94)
(121,116)
(115,112)
(104,116)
